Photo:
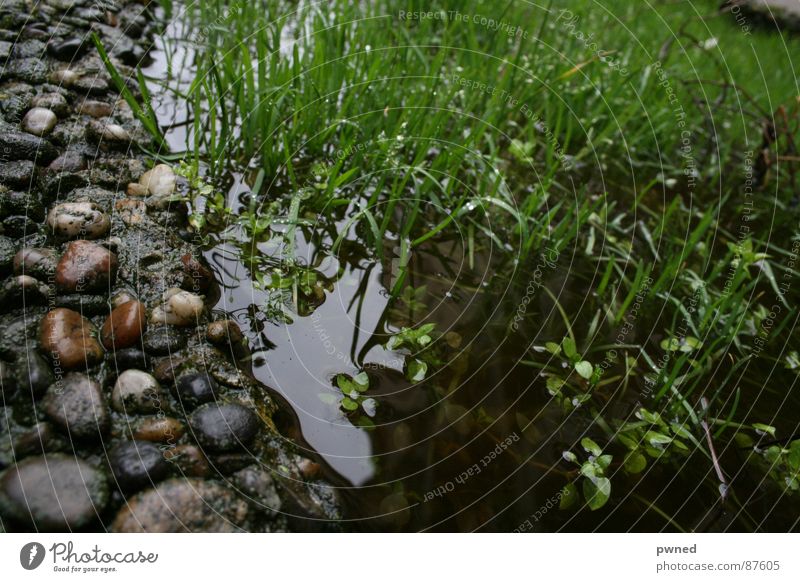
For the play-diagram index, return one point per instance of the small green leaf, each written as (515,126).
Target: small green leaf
(569,348)
(416,370)
(657,439)
(584,369)
(569,496)
(596,492)
(570,456)
(362,381)
(591,447)
(635,462)
(764,428)
(349,404)
(553,348)
(603,461)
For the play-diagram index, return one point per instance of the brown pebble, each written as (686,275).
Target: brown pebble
(166,369)
(95,108)
(309,469)
(86,266)
(189,460)
(138,190)
(124,326)
(160,429)
(225,332)
(68,339)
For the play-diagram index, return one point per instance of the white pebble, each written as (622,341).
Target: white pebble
(160,181)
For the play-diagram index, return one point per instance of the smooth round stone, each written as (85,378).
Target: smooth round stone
(180,505)
(53,493)
(76,405)
(136,392)
(73,219)
(136,465)
(86,266)
(224,427)
(39,121)
(160,429)
(68,339)
(257,485)
(196,388)
(110,133)
(34,374)
(163,341)
(224,333)
(36,262)
(65,77)
(180,308)
(55,102)
(128,358)
(188,460)
(124,326)
(34,441)
(69,161)
(198,276)
(17,175)
(137,190)
(160,181)
(95,109)
(67,49)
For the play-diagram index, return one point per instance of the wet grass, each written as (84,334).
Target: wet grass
(621,175)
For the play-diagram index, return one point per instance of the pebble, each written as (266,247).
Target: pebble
(34,441)
(69,161)
(109,133)
(180,505)
(136,465)
(198,276)
(53,493)
(55,102)
(39,121)
(195,388)
(68,49)
(189,460)
(95,109)
(128,358)
(180,308)
(86,266)
(160,429)
(84,219)
(36,262)
(68,339)
(258,486)
(34,376)
(224,427)
(18,145)
(65,77)
(17,174)
(162,340)
(77,406)
(224,333)
(160,181)
(136,392)
(137,190)
(124,326)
